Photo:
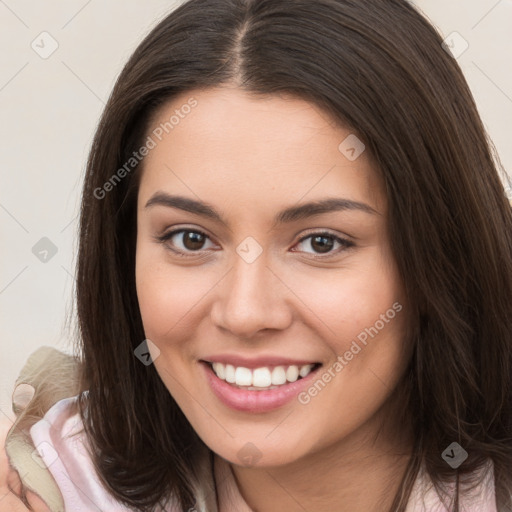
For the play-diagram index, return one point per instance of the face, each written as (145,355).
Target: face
(277,327)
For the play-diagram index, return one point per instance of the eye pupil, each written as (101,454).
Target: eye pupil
(325,243)
(193,240)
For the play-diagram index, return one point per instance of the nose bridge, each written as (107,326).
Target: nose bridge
(250,279)
(251,296)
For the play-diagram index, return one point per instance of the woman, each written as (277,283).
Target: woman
(339,340)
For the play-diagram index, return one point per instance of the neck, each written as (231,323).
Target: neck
(359,473)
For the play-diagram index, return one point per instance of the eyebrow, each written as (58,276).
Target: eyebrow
(288,215)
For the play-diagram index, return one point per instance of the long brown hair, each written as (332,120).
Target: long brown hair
(376,67)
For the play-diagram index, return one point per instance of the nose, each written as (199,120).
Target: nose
(251,298)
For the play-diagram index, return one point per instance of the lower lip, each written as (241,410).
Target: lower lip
(255,401)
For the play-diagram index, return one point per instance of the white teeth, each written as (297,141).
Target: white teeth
(305,369)
(292,373)
(219,369)
(243,376)
(278,375)
(230,373)
(260,378)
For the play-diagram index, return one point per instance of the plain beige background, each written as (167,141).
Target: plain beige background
(50,105)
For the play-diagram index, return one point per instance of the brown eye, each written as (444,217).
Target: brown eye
(193,240)
(323,243)
(184,240)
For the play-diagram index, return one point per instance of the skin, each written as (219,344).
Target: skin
(250,157)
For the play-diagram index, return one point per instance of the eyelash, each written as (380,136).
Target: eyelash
(346,244)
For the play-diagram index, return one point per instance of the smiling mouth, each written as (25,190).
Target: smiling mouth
(262,378)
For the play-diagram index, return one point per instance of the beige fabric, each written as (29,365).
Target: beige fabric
(53,375)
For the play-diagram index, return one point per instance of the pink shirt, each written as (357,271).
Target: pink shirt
(65,451)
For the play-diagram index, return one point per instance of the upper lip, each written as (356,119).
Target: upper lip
(256,362)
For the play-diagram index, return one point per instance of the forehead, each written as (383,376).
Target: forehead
(228,143)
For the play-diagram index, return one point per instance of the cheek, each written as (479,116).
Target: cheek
(362,316)
(343,304)
(170,296)
(359,313)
